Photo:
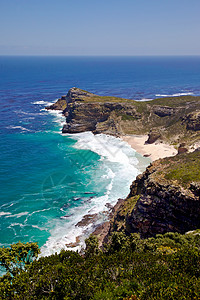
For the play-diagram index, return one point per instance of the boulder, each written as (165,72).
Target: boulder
(153,136)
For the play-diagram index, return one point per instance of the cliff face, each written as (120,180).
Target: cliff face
(173,120)
(164,198)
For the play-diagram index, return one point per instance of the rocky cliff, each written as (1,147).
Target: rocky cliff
(164,198)
(175,119)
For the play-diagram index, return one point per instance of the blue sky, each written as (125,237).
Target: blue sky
(91,27)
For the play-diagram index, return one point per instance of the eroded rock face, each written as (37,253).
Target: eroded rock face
(96,116)
(192,121)
(153,136)
(88,117)
(60,104)
(163,111)
(76,94)
(162,205)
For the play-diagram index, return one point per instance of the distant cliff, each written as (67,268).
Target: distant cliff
(173,119)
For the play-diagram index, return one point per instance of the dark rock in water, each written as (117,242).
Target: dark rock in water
(75,244)
(109,206)
(87,219)
(65,206)
(67,216)
(76,199)
(88,193)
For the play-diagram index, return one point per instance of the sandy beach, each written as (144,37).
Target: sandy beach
(154,151)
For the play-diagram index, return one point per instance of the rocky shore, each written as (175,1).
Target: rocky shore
(166,196)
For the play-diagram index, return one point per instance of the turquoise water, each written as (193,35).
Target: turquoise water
(49,181)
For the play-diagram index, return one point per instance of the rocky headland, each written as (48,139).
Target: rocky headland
(172,119)
(166,196)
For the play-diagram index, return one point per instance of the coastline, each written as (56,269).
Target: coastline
(154,151)
(100,227)
(117,169)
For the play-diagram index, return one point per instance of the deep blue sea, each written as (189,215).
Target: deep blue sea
(49,181)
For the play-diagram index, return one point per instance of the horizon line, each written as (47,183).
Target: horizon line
(99,55)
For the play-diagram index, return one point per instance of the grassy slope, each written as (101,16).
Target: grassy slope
(183,169)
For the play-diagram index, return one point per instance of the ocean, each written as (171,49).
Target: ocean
(50,181)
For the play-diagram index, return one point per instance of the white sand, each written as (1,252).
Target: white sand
(154,151)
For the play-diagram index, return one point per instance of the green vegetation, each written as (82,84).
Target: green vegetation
(167,101)
(127,117)
(175,101)
(18,256)
(164,267)
(184,168)
(105,99)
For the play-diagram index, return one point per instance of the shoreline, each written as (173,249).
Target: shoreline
(154,151)
(118,166)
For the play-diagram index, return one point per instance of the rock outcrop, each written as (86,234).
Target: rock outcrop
(153,136)
(163,111)
(192,121)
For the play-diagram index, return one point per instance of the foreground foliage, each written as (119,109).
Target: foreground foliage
(18,256)
(164,267)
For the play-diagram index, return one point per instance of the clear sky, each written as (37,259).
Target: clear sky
(99,27)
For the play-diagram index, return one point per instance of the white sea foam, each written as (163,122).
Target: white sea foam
(18,127)
(18,215)
(144,100)
(175,95)
(3,213)
(58,117)
(112,148)
(40,228)
(46,103)
(28,113)
(119,167)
